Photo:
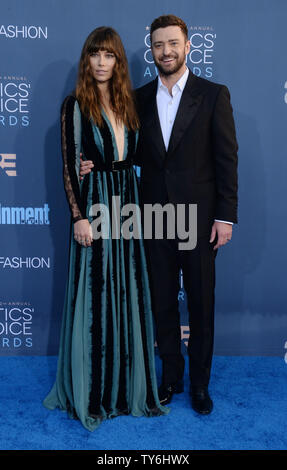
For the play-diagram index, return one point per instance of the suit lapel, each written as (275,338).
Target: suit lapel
(189,104)
(152,122)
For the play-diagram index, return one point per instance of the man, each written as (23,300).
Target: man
(187,151)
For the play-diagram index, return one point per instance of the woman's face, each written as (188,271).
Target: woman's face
(102,65)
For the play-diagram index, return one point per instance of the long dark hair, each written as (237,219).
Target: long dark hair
(121,94)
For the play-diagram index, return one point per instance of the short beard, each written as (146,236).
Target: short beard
(166,73)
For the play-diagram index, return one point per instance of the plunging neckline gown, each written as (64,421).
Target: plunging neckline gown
(106,354)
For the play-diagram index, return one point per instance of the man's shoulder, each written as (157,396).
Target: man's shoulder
(146,89)
(194,82)
(205,84)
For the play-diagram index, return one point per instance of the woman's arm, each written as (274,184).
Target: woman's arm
(71,143)
(71,147)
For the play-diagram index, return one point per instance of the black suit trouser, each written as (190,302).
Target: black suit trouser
(198,268)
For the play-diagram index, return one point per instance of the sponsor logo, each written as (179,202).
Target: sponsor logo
(16,323)
(8,161)
(29,262)
(15,94)
(23,32)
(24,215)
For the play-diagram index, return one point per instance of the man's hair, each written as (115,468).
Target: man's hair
(168,20)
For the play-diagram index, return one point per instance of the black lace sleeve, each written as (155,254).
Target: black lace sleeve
(71,146)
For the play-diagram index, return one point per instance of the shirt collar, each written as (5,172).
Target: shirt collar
(180,84)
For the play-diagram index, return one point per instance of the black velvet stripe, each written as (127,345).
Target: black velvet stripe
(126,355)
(109,362)
(108,144)
(68,113)
(84,194)
(96,328)
(126,244)
(122,403)
(97,282)
(109,349)
(127,253)
(131,145)
(90,149)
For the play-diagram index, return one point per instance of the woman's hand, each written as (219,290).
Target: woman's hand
(83,232)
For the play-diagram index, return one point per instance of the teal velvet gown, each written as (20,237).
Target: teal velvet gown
(106,354)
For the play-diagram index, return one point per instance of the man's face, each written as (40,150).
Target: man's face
(169,48)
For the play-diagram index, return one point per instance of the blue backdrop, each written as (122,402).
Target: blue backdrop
(241,44)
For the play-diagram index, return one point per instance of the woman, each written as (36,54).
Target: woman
(106,357)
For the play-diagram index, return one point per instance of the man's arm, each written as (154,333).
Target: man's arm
(225,154)
(225,149)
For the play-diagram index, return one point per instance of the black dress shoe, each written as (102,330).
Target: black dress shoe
(165,392)
(200,400)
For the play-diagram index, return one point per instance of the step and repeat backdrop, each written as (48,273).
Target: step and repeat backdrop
(241,44)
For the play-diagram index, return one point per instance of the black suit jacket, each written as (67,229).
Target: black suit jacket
(200,165)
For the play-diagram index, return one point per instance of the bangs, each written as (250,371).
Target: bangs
(102,47)
(103,41)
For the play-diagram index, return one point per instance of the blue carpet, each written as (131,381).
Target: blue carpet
(250,409)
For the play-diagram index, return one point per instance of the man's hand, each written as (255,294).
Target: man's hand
(85,167)
(83,232)
(223,231)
